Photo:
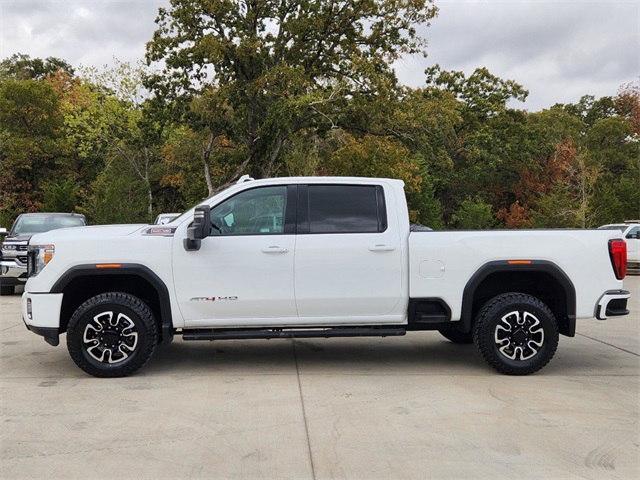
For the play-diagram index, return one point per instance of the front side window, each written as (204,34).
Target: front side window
(346,209)
(633,233)
(259,211)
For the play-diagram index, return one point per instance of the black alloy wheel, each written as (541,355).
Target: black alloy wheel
(112,335)
(517,334)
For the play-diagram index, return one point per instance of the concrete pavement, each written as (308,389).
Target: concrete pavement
(408,407)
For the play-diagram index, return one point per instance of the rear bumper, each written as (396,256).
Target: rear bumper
(612,304)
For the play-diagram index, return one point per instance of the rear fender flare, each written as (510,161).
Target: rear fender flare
(503,266)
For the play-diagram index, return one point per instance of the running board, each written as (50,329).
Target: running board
(431,317)
(219,334)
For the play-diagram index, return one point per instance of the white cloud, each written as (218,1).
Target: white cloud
(558,49)
(87,32)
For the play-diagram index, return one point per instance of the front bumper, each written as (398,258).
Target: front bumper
(41,314)
(12,274)
(612,304)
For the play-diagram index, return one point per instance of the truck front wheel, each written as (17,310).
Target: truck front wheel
(112,335)
(516,334)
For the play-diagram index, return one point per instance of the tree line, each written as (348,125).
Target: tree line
(292,87)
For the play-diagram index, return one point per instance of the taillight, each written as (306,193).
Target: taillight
(618,254)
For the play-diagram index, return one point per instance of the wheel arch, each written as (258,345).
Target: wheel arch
(539,278)
(82,282)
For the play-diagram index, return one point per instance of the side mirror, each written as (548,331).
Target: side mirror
(3,233)
(199,229)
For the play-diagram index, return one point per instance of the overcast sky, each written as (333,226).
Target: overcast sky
(557,49)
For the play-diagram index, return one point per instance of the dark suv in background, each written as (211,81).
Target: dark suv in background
(13,259)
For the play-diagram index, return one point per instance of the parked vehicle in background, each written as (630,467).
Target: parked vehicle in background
(165,218)
(316,257)
(631,232)
(13,261)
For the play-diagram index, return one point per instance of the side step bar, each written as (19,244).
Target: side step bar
(223,334)
(431,317)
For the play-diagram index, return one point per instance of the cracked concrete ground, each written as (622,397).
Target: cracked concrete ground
(379,408)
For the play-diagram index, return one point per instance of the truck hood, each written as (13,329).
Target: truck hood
(17,238)
(93,232)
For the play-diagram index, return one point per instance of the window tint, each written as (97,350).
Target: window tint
(259,211)
(346,209)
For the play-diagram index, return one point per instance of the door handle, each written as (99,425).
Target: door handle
(275,249)
(382,248)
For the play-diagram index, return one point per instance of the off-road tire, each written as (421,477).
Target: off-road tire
(7,290)
(112,335)
(516,334)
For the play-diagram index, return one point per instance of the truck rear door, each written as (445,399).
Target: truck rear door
(348,260)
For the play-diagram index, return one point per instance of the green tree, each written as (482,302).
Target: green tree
(474,214)
(481,145)
(282,66)
(22,67)
(109,125)
(61,196)
(33,149)
(612,146)
(117,194)
(589,109)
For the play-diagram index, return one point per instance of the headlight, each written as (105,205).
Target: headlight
(38,258)
(8,247)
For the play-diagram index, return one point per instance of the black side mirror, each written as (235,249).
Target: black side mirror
(199,229)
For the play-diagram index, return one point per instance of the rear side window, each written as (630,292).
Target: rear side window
(346,209)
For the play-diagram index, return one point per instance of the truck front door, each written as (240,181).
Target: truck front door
(243,272)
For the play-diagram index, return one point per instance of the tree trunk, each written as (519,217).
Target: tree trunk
(268,170)
(207,167)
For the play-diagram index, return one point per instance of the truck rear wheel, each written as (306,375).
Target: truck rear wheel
(112,335)
(516,334)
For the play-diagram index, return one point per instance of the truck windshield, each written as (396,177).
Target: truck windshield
(26,225)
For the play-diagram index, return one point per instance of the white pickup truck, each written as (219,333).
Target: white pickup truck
(315,257)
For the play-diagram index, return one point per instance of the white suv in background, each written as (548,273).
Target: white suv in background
(631,232)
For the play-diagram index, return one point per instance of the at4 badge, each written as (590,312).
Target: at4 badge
(212,299)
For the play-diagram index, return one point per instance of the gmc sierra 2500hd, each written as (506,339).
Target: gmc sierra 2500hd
(315,257)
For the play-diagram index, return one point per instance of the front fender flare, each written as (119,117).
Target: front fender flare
(130,269)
